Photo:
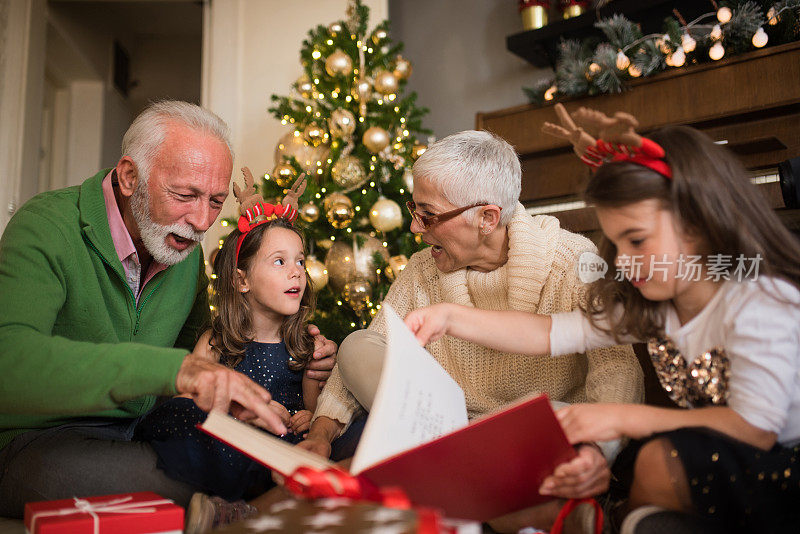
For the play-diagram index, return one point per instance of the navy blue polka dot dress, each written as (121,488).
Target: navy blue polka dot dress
(189,455)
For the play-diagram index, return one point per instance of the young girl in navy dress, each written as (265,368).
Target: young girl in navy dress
(710,279)
(262,300)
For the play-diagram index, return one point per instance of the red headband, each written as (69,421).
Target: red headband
(649,154)
(260,214)
(617,139)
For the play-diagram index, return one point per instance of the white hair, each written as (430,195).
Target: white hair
(473,166)
(149,130)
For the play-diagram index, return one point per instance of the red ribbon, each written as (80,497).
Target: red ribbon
(533,3)
(570,505)
(314,484)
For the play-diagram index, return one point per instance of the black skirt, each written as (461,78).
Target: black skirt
(734,487)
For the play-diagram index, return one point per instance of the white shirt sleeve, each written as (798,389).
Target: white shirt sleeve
(763,345)
(572,332)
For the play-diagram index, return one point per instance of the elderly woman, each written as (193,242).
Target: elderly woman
(486,251)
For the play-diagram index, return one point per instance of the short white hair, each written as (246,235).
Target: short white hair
(149,130)
(471,167)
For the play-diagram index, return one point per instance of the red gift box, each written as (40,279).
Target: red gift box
(128,513)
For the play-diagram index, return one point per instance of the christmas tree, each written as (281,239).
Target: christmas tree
(355,135)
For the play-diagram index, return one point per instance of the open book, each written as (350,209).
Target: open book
(418,438)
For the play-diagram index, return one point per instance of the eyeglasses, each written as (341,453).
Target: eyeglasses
(426,221)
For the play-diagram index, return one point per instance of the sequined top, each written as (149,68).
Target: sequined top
(187,454)
(742,349)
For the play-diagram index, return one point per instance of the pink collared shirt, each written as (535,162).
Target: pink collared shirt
(123,243)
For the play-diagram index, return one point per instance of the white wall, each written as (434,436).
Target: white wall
(251,51)
(461,65)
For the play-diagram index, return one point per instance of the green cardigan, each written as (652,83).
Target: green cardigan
(73,341)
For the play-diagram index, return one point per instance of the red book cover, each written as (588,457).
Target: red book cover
(490,468)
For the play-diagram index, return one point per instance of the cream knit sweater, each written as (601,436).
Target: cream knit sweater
(540,276)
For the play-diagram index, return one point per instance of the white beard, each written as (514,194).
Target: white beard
(154,235)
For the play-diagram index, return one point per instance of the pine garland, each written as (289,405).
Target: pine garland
(587,67)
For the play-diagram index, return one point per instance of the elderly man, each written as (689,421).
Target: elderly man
(487,252)
(102,297)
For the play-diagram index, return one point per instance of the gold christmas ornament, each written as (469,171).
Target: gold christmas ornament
(357,293)
(385,215)
(339,64)
(284,174)
(324,244)
(573,10)
(379,35)
(396,265)
(309,212)
(347,261)
(386,83)
(402,68)
(305,87)
(376,139)
(417,150)
(334,197)
(317,273)
(348,173)
(334,28)
(340,215)
(342,123)
(295,145)
(314,134)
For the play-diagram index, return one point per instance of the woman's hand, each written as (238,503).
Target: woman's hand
(281,411)
(430,323)
(300,422)
(586,475)
(597,422)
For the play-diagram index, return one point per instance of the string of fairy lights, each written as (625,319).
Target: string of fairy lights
(723,29)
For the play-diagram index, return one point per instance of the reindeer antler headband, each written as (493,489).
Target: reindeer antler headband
(617,140)
(254,211)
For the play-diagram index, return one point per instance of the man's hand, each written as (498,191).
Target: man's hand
(214,386)
(586,475)
(324,358)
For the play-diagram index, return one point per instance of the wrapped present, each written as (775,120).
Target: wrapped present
(130,513)
(341,515)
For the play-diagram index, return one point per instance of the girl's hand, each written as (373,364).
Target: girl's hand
(594,422)
(430,323)
(318,446)
(300,422)
(586,475)
(203,348)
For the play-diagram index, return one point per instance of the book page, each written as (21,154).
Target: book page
(416,401)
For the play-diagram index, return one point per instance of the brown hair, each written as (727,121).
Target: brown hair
(232,326)
(711,196)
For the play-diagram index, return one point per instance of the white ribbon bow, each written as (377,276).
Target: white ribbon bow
(82,506)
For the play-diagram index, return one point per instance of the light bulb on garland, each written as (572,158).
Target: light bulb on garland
(688,43)
(716,33)
(594,68)
(678,57)
(634,71)
(760,38)
(772,17)
(334,28)
(550,94)
(724,14)
(379,35)
(717,51)
(623,62)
